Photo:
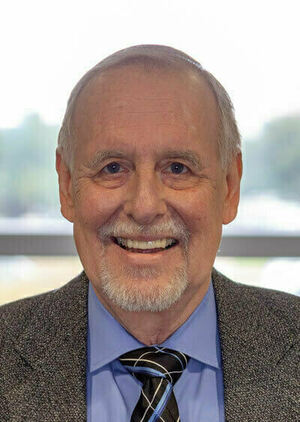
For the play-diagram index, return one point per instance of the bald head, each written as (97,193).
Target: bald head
(154,59)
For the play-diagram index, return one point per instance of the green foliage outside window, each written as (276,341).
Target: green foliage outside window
(272,160)
(29,181)
(27,169)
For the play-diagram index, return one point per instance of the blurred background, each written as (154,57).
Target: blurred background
(252,47)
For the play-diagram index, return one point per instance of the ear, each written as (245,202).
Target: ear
(233,181)
(65,188)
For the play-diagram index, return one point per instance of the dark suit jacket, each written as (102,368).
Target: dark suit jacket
(43,354)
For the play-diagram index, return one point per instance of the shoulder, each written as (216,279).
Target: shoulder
(257,295)
(259,335)
(273,305)
(16,316)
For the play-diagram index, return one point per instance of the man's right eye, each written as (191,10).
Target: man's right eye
(112,168)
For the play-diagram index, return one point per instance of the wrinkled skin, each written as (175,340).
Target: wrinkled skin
(145,122)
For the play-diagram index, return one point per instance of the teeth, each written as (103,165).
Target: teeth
(152,244)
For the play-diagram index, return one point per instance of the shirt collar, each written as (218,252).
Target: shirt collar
(197,337)
(107,339)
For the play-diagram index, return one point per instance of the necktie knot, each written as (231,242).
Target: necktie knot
(158,368)
(155,362)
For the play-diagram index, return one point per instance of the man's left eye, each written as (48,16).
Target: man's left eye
(178,168)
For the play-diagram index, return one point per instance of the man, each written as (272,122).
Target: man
(149,168)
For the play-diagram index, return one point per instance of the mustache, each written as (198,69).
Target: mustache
(170,228)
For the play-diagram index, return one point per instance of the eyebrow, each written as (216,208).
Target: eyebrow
(101,156)
(188,156)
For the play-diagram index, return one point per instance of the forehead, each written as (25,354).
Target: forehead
(134,99)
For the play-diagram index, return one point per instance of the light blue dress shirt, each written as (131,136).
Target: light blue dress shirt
(112,392)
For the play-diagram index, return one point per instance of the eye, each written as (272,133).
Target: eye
(178,168)
(112,168)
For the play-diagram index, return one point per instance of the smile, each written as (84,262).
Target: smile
(145,246)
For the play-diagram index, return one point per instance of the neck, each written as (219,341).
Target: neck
(155,327)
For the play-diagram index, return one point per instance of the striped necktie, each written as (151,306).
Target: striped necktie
(158,369)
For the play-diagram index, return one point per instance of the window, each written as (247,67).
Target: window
(45,54)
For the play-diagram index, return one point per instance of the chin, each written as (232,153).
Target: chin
(143,289)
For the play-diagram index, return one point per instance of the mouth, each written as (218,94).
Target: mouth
(150,246)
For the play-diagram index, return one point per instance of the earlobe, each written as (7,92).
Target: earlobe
(233,181)
(65,188)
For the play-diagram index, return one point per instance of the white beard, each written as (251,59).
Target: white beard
(141,291)
(143,288)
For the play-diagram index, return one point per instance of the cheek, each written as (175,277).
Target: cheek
(202,215)
(197,208)
(95,206)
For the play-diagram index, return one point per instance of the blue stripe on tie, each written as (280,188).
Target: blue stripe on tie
(145,370)
(162,403)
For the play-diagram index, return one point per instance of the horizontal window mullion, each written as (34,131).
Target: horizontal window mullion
(238,245)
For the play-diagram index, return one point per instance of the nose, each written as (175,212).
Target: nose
(145,202)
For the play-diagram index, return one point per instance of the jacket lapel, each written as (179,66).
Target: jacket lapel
(248,334)
(54,355)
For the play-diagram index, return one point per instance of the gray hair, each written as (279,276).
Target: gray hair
(156,56)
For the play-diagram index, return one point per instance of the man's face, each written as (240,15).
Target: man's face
(147,193)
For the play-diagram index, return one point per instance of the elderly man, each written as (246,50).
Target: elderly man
(149,168)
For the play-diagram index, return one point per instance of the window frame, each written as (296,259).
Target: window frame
(238,245)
